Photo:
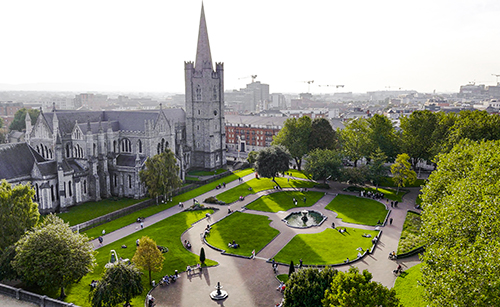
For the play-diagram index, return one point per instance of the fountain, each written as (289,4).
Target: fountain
(304,219)
(218,294)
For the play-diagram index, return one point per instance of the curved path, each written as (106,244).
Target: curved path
(251,282)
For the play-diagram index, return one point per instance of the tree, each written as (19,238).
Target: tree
(416,137)
(202,255)
(357,290)
(381,134)
(355,175)
(474,125)
(307,287)
(461,227)
(120,283)
(18,212)
(377,169)
(354,140)
(161,174)
(322,135)
(271,161)
(291,269)
(51,255)
(19,121)
(148,257)
(252,157)
(324,163)
(295,137)
(402,173)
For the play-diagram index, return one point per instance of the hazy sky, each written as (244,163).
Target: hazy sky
(142,45)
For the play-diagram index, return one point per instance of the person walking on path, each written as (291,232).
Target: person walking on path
(142,224)
(390,221)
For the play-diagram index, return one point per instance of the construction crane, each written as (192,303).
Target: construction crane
(309,85)
(496,76)
(331,85)
(251,76)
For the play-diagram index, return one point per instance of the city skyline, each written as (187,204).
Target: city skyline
(362,45)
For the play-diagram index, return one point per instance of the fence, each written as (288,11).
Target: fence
(26,296)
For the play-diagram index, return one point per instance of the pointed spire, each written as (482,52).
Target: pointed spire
(203,55)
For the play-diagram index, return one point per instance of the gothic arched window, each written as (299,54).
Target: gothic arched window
(139,143)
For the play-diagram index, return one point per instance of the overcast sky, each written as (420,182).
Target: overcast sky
(365,45)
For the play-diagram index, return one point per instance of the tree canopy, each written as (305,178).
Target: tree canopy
(381,134)
(417,135)
(271,161)
(461,227)
(322,135)
(354,140)
(324,163)
(148,257)
(52,256)
(294,136)
(161,174)
(19,121)
(377,169)
(352,289)
(120,283)
(307,286)
(402,173)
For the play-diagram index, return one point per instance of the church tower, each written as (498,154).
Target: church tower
(205,127)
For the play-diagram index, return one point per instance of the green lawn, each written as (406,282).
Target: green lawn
(409,292)
(388,182)
(283,201)
(327,247)
(166,233)
(388,193)
(91,210)
(206,173)
(261,184)
(282,277)
(250,231)
(410,236)
(358,210)
(192,178)
(298,174)
(130,219)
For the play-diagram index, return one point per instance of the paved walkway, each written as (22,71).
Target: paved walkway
(251,282)
(7,301)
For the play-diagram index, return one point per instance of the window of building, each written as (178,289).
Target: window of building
(85,187)
(139,144)
(129,181)
(198,93)
(70,189)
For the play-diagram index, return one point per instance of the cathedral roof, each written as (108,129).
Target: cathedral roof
(17,159)
(203,55)
(128,160)
(48,168)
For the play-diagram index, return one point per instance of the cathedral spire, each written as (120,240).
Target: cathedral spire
(203,55)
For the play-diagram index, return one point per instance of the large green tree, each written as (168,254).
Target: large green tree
(307,286)
(381,134)
(324,163)
(148,257)
(52,256)
(461,227)
(322,135)
(19,121)
(352,289)
(474,125)
(18,213)
(120,283)
(271,161)
(377,169)
(161,174)
(354,140)
(402,172)
(294,136)
(416,137)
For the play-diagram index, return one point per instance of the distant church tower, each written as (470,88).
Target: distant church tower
(205,127)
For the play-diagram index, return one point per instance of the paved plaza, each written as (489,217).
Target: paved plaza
(252,282)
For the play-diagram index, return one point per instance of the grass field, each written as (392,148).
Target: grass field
(358,210)
(407,288)
(388,193)
(327,247)
(256,185)
(91,210)
(283,201)
(388,182)
(206,173)
(130,219)
(410,236)
(166,233)
(250,231)
(298,174)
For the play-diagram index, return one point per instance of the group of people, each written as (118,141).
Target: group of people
(374,195)
(187,244)
(233,245)
(151,300)
(394,204)
(206,232)
(220,186)
(342,230)
(189,269)
(393,255)
(167,279)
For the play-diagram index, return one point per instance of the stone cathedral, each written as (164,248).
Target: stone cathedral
(71,157)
